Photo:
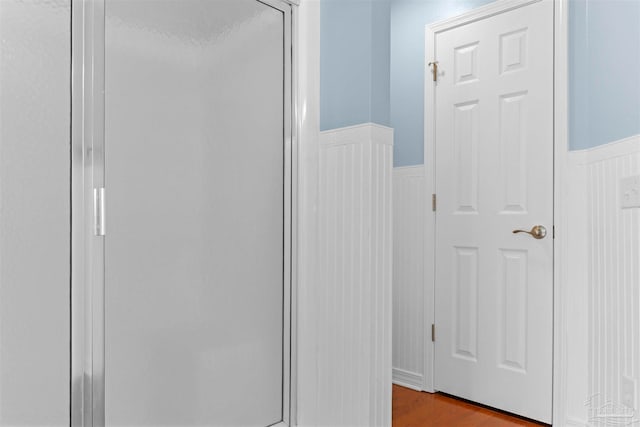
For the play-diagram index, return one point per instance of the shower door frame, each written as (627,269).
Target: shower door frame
(87,175)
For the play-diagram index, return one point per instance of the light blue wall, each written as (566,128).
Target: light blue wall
(354,62)
(345,63)
(372,63)
(604,71)
(380,62)
(408,19)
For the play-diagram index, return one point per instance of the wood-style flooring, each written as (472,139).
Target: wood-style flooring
(417,409)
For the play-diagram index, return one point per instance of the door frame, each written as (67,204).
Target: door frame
(560,136)
(87,174)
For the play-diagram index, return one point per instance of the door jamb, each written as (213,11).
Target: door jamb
(560,219)
(560,179)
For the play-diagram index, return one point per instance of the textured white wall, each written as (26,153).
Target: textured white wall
(34,212)
(409,214)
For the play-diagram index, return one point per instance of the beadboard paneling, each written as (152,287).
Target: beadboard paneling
(614,282)
(409,216)
(354,264)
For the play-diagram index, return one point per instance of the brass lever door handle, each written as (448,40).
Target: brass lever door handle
(537,232)
(434,70)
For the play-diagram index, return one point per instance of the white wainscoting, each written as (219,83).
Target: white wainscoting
(602,284)
(601,287)
(409,216)
(353,297)
(613,268)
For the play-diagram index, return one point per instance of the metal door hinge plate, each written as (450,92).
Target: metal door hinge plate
(433,202)
(433,332)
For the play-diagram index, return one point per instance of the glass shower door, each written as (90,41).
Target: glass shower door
(197,188)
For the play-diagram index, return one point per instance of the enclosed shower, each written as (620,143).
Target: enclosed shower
(182,212)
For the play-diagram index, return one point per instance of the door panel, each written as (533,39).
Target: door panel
(494,174)
(194,178)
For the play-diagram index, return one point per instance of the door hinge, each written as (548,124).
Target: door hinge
(553,232)
(433,202)
(98,212)
(434,70)
(433,332)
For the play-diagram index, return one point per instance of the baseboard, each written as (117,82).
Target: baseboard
(407,379)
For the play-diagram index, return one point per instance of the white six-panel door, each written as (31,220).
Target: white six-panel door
(494,175)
